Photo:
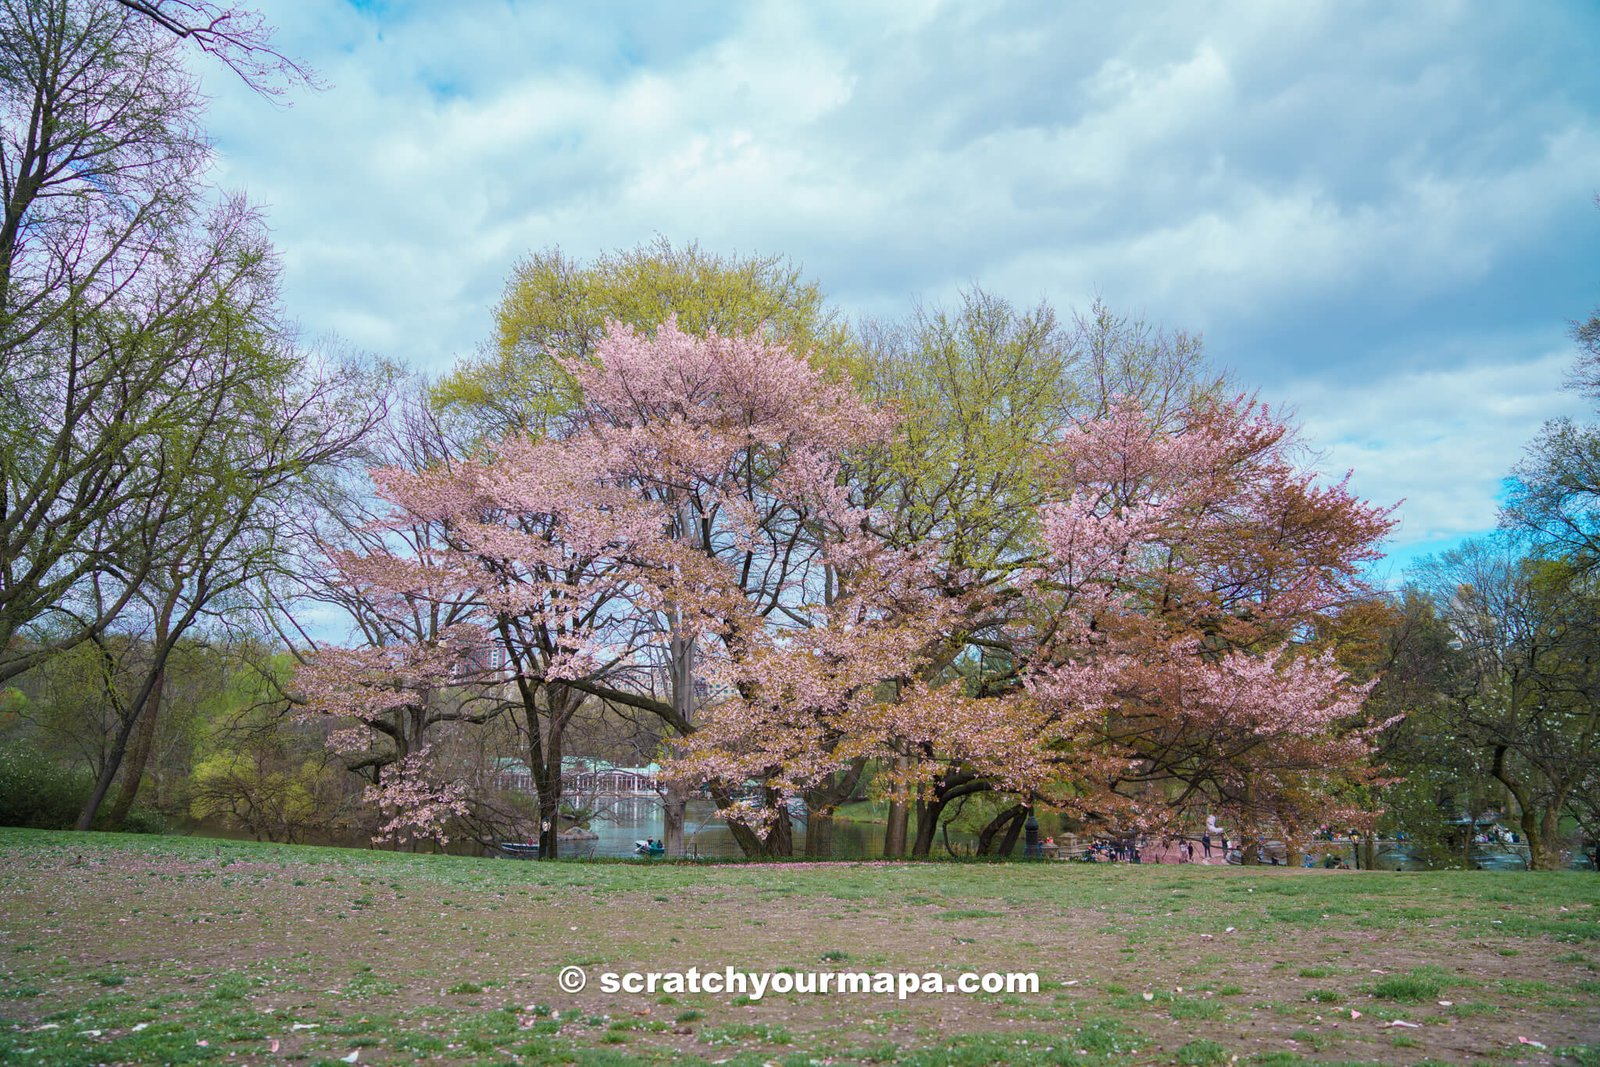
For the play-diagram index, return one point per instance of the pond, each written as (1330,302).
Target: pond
(624,820)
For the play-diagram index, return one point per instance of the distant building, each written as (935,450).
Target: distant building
(582,776)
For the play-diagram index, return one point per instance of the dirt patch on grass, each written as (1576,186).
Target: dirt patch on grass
(403,958)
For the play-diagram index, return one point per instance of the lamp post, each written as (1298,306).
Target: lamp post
(1030,838)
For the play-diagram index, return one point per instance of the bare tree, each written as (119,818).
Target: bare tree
(117,290)
(238,37)
(1530,699)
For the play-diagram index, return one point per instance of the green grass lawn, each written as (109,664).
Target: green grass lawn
(123,949)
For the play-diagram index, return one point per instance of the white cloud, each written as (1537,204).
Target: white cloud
(1440,442)
(1296,180)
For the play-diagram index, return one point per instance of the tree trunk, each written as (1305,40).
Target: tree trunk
(752,844)
(102,785)
(546,786)
(1541,835)
(1014,831)
(780,839)
(928,813)
(1536,844)
(675,800)
(894,830)
(986,836)
(119,746)
(549,785)
(138,755)
(819,836)
(170,627)
(1249,851)
(951,786)
(674,811)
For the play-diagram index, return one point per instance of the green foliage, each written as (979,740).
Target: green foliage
(262,792)
(980,393)
(38,792)
(144,821)
(255,768)
(555,308)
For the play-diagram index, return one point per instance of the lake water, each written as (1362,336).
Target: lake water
(624,820)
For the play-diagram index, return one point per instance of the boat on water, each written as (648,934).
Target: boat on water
(649,848)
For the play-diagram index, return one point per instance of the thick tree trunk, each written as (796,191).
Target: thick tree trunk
(778,842)
(138,755)
(1013,831)
(780,839)
(998,825)
(1540,856)
(674,812)
(1541,835)
(894,830)
(928,813)
(1529,823)
(819,836)
(952,786)
(1250,851)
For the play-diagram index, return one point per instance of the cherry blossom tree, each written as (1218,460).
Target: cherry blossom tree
(1158,660)
(689,513)
(1186,574)
(737,445)
(1153,657)
(412,665)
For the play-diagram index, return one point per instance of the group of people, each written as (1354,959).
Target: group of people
(1125,850)
(1186,848)
(1132,849)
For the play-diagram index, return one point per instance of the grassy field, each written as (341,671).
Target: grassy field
(120,949)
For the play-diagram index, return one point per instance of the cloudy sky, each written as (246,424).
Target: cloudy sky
(1379,214)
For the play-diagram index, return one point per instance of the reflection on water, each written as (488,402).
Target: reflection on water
(623,820)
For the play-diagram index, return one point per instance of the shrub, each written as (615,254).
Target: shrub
(144,821)
(38,792)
